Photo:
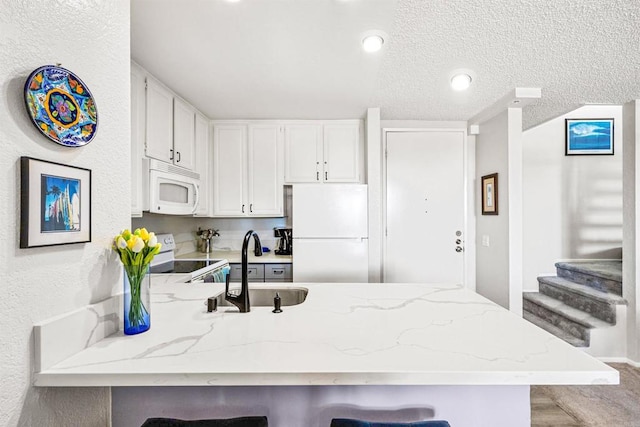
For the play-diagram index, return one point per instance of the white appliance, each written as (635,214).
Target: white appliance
(330,233)
(195,270)
(171,189)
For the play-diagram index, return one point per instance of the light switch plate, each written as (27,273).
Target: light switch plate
(485,240)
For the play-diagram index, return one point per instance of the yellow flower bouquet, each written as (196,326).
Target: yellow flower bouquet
(136,250)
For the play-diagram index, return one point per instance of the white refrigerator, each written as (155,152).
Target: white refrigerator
(330,233)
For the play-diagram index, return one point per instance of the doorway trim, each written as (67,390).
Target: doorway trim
(469,228)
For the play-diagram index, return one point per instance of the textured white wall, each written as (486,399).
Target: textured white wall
(575,202)
(91,38)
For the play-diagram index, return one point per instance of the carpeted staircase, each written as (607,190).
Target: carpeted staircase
(584,295)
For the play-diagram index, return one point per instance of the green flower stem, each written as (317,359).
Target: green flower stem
(137,310)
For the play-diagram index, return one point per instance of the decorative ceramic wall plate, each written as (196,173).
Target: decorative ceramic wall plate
(61,106)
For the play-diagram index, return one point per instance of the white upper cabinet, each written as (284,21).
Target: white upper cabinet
(341,153)
(183,134)
(137,137)
(203,164)
(229,142)
(170,127)
(159,142)
(264,170)
(247,170)
(324,152)
(303,153)
(166,128)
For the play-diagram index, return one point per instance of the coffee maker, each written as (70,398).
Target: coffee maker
(284,242)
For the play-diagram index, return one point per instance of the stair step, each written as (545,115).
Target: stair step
(553,330)
(599,304)
(570,313)
(605,276)
(584,290)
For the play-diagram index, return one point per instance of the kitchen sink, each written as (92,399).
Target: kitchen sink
(263,297)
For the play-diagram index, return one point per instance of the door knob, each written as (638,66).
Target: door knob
(458,248)
(458,241)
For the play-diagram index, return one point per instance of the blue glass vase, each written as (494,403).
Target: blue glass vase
(137,299)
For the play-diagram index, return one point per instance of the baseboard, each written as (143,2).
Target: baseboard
(619,360)
(632,363)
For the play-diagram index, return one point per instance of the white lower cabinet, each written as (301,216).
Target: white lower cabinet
(247,170)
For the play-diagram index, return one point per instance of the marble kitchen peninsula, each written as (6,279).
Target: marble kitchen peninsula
(435,348)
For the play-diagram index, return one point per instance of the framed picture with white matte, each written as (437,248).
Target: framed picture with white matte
(490,194)
(589,137)
(55,203)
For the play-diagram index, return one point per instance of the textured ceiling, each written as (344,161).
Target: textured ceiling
(302,58)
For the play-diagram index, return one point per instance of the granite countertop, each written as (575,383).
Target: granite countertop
(343,333)
(236,256)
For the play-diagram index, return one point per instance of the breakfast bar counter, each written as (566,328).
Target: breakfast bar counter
(342,334)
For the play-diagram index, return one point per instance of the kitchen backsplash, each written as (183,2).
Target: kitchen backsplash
(232,230)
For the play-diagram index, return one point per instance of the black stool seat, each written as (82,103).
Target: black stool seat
(344,422)
(230,422)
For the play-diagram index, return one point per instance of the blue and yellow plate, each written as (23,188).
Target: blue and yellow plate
(61,106)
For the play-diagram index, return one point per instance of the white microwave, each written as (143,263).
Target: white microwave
(171,190)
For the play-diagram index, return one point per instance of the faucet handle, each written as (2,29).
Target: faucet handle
(226,284)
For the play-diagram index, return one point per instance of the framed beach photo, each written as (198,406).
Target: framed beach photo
(55,203)
(589,136)
(490,194)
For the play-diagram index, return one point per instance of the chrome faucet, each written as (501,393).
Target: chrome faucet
(241,300)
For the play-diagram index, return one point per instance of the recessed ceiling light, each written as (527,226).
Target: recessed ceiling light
(372,43)
(460,81)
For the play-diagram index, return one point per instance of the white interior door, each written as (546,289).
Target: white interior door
(424,207)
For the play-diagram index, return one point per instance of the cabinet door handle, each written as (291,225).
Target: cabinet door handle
(178,153)
(317,176)
(278,271)
(251,207)
(326,175)
(242,208)
(171,155)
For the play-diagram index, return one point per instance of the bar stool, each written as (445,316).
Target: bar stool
(345,422)
(229,422)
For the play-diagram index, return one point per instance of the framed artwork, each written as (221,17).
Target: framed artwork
(588,136)
(55,203)
(490,194)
